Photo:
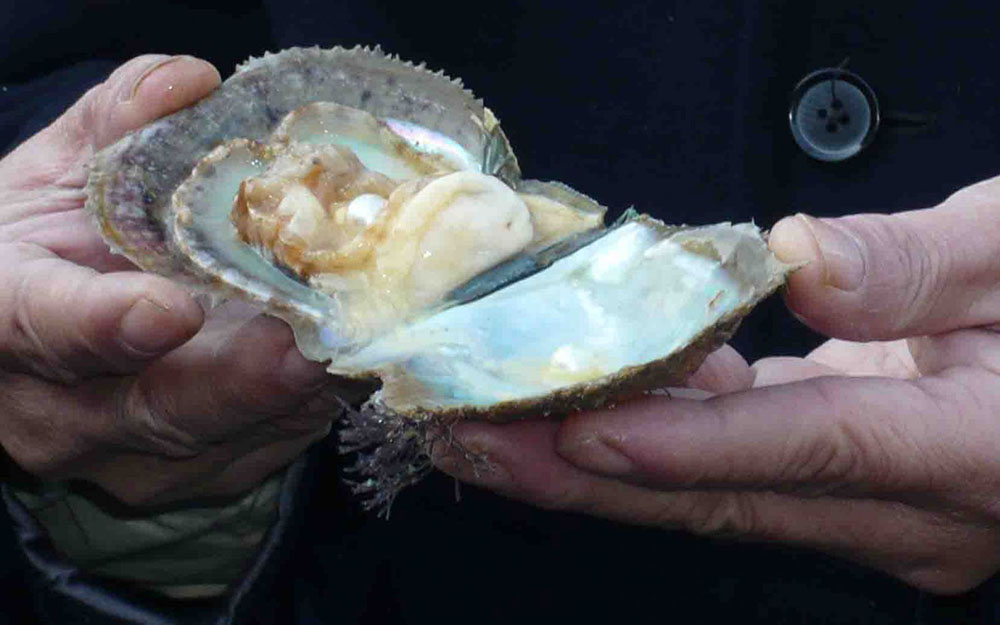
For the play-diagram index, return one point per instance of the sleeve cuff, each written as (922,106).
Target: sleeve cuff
(125,585)
(194,550)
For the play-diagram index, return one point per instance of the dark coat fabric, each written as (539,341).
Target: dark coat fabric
(678,108)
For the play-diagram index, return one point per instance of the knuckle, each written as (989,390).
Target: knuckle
(728,514)
(25,341)
(844,453)
(148,419)
(827,462)
(925,264)
(903,266)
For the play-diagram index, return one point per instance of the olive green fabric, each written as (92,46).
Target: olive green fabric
(196,550)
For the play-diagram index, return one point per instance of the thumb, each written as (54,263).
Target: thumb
(138,92)
(65,322)
(883,277)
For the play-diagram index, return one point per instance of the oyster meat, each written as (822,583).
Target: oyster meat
(378,208)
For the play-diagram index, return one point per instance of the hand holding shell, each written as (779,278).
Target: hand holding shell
(883,450)
(114,376)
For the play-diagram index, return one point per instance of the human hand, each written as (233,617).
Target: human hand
(100,378)
(884,450)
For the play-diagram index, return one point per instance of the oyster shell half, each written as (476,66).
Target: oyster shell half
(378,208)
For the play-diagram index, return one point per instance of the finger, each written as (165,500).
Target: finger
(974,347)
(66,322)
(850,436)
(883,277)
(70,235)
(221,385)
(785,369)
(140,91)
(836,357)
(87,431)
(924,549)
(226,470)
(724,371)
(876,358)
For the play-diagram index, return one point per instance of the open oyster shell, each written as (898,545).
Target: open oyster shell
(575,315)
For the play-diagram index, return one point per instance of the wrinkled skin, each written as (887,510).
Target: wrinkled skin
(118,377)
(882,445)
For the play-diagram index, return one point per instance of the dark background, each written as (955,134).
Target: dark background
(678,108)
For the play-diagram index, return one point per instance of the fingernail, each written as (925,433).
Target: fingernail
(149,327)
(300,375)
(594,454)
(806,239)
(149,72)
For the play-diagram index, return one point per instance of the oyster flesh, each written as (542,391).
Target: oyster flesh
(377,207)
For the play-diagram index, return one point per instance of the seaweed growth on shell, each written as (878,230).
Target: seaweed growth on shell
(378,208)
(392,453)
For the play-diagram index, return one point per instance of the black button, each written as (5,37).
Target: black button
(834,114)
